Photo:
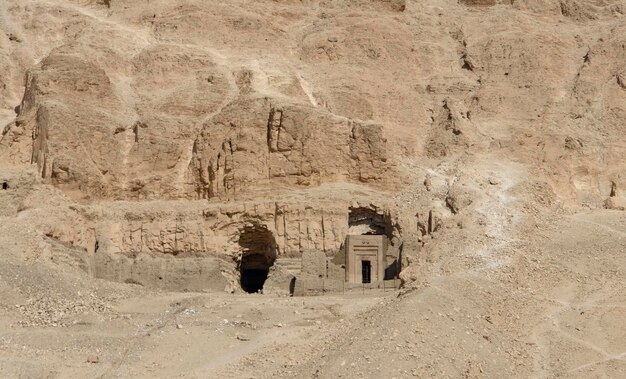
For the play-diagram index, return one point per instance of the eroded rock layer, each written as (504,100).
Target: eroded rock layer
(283,115)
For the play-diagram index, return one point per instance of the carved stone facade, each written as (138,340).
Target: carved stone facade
(192,246)
(365,258)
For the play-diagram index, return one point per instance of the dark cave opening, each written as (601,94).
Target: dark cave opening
(258,255)
(252,280)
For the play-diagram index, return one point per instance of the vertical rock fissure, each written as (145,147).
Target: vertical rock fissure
(323,234)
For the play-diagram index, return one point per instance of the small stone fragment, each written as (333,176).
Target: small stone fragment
(427,183)
(93,359)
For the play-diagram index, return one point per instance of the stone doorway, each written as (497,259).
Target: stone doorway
(257,257)
(366,271)
(366,245)
(365,258)
(254,270)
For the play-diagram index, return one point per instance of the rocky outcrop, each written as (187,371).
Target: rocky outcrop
(156,106)
(255,143)
(157,146)
(215,230)
(448,134)
(194,247)
(276,116)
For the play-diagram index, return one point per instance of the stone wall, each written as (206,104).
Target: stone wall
(215,230)
(194,245)
(181,246)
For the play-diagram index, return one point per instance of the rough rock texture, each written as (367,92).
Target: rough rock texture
(402,105)
(160,144)
(254,143)
(138,104)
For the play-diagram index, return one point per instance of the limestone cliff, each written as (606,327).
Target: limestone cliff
(439,115)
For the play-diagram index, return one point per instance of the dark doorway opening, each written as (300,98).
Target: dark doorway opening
(252,280)
(366,271)
(258,255)
(5,185)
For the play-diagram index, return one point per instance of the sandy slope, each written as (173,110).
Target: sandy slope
(556,310)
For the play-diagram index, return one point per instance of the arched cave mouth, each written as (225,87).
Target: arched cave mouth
(366,221)
(258,255)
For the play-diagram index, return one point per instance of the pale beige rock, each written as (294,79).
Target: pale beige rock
(615,203)
(158,146)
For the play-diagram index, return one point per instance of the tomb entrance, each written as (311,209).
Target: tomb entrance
(365,258)
(366,245)
(258,255)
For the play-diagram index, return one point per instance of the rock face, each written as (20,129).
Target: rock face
(154,146)
(305,120)
(249,143)
(254,143)
(196,247)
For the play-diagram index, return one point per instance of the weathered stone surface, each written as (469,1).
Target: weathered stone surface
(314,264)
(190,248)
(615,203)
(267,144)
(291,116)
